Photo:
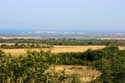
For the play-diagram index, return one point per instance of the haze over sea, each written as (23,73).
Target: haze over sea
(86,16)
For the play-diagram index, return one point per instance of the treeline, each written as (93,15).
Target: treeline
(65,41)
(24,45)
(31,68)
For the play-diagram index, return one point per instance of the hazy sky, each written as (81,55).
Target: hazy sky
(89,15)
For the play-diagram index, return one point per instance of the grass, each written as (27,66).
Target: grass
(86,74)
(57,49)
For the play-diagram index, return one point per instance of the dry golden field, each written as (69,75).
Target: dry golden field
(86,74)
(57,49)
(7,43)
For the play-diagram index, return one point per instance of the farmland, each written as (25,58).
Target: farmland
(94,66)
(83,61)
(62,41)
(56,49)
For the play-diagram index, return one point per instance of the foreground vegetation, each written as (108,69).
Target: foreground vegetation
(33,67)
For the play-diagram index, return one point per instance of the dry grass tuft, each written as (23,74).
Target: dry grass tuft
(86,74)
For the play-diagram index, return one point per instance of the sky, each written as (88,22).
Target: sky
(79,15)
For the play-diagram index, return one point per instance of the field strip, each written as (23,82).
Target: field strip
(57,49)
